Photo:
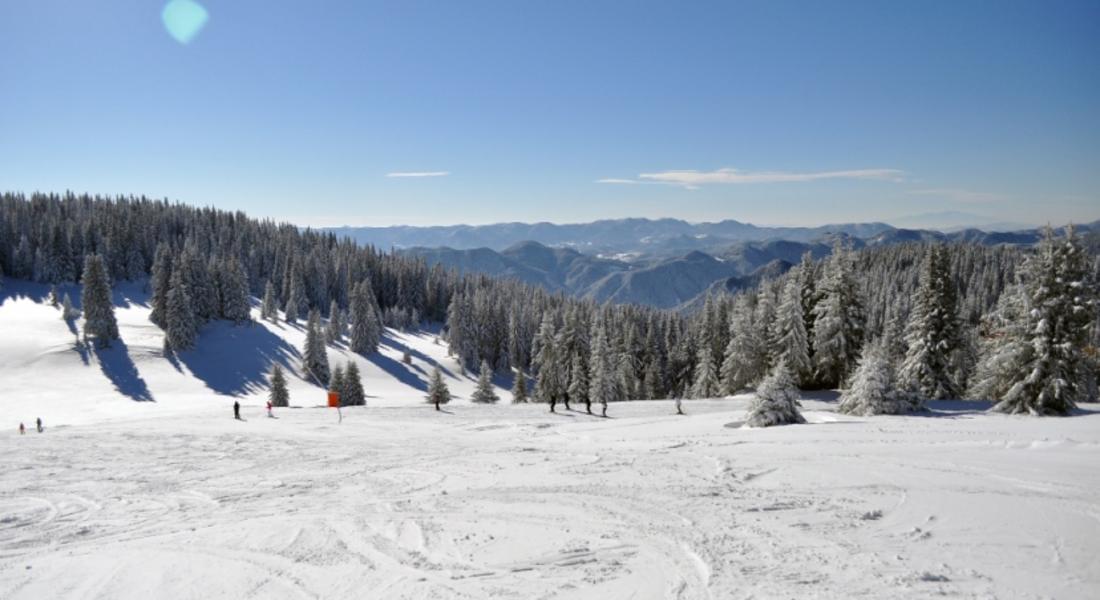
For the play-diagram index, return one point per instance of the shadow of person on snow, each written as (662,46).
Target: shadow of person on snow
(117,365)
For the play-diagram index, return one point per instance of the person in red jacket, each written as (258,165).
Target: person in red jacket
(270,416)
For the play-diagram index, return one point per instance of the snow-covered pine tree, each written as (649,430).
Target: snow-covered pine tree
(838,321)
(336,383)
(269,308)
(484,393)
(181,327)
(578,382)
(233,286)
(295,299)
(279,395)
(705,384)
(933,332)
(366,323)
(334,331)
(99,309)
(744,361)
(438,393)
(776,400)
(1062,296)
(550,373)
(1004,352)
(160,280)
(790,343)
(315,354)
(873,389)
(519,387)
(68,313)
(354,394)
(602,385)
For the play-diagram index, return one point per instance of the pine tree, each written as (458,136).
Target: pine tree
(335,329)
(366,325)
(315,355)
(160,280)
(233,287)
(484,392)
(1062,297)
(838,321)
(873,389)
(1004,351)
(336,383)
(550,378)
(705,384)
(601,386)
(295,299)
(68,313)
(437,390)
(353,395)
(791,343)
(578,381)
(270,308)
(181,327)
(776,400)
(279,395)
(744,362)
(519,387)
(933,332)
(99,309)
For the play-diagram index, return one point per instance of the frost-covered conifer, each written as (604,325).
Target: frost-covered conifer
(315,355)
(160,281)
(578,381)
(233,287)
(181,327)
(744,361)
(295,299)
(933,332)
(99,309)
(705,384)
(366,324)
(269,309)
(279,395)
(68,313)
(438,393)
(353,394)
(838,321)
(334,331)
(601,386)
(790,343)
(550,372)
(873,389)
(1062,297)
(776,400)
(484,392)
(519,387)
(336,383)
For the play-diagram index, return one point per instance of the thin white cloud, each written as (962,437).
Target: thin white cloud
(619,181)
(959,195)
(418,174)
(692,179)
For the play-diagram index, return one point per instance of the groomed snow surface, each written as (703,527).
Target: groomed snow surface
(143,486)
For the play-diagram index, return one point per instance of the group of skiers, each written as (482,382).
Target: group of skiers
(37,423)
(237,410)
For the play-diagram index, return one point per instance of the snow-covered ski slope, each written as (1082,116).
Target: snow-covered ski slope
(144,487)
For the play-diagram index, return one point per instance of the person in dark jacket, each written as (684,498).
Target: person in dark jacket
(38,422)
(236,410)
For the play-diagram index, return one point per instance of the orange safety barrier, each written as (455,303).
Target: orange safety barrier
(333,399)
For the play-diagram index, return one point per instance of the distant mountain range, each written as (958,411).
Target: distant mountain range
(664,263)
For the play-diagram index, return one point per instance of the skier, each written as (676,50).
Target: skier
(22,429)
(39,422)
(236,410)
(269,415)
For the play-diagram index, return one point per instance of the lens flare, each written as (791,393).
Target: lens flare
(184,19)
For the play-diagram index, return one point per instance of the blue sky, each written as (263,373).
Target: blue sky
(769,112)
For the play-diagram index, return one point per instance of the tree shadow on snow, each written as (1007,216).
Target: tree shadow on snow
(235,360)
(398,371)
(117,365)
(396,345)
(950,409)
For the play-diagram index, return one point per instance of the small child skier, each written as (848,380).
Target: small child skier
(269,415)
(236,410)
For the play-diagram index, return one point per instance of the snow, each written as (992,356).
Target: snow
(144,486)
